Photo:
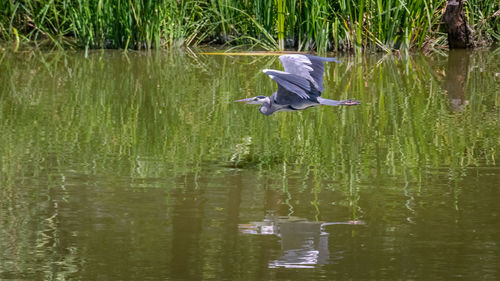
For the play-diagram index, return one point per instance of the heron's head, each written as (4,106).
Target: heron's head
(255,100)
(265,108)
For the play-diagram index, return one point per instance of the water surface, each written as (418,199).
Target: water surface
(140,166)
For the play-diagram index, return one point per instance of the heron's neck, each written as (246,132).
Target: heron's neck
(267,107)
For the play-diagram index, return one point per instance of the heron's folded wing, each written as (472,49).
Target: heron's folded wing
(291,82)
(308,66)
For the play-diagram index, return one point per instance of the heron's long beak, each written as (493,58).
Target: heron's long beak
(244,100)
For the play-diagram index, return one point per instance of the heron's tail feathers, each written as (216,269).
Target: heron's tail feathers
(337,102)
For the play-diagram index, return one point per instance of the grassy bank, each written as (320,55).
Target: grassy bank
(296,24)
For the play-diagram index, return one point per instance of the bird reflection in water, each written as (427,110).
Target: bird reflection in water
(304,243)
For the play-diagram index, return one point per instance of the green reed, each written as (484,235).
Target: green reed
(302,25)
(281,23)
(104,23)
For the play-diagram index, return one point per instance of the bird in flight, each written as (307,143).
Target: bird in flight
(299,86)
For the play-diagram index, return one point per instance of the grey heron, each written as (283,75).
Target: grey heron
(299,86)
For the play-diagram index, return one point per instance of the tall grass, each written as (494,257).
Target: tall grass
(297,24)
(105,23)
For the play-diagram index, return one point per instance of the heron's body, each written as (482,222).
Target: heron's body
(299,86)
(291,103)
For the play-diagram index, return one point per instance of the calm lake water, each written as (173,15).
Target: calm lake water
(140,166)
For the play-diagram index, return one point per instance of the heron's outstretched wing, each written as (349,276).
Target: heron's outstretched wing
(307,66)
(291,83)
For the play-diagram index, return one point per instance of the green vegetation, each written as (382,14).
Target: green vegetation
(299,24)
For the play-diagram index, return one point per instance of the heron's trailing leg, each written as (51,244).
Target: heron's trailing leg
(323,101)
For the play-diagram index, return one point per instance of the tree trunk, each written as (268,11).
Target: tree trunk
(459,33)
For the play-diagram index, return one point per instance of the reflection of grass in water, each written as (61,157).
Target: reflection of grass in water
(147,119)
(144,119)
(63,110)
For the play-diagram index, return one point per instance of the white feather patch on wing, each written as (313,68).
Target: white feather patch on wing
(300,61)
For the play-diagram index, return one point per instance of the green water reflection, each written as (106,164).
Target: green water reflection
(141,166)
